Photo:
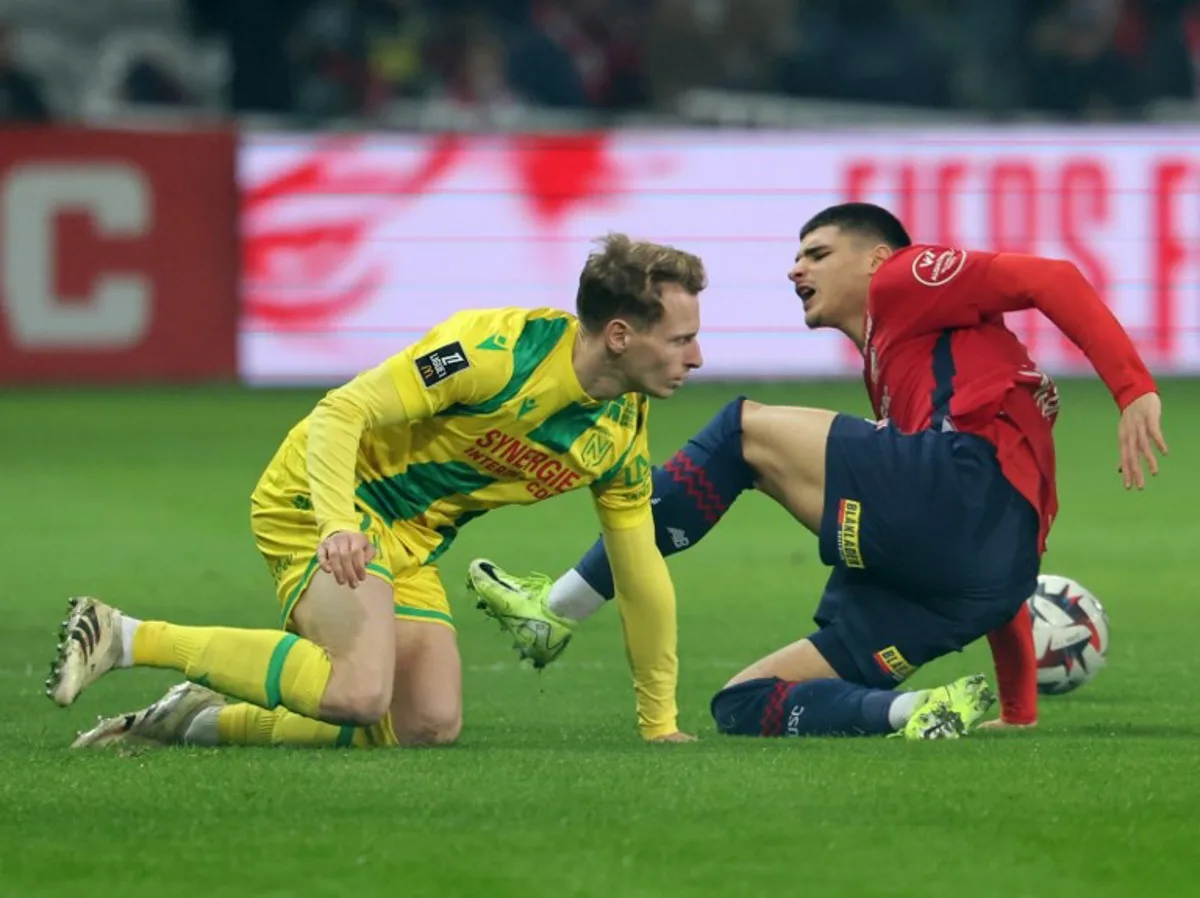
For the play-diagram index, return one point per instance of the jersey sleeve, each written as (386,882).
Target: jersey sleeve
(1015,659)
(1058,290)
(622,495)
(450,366)
(931,288)
(435,373)
(646,602)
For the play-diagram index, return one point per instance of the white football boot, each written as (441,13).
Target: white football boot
(165,722)
(89,647)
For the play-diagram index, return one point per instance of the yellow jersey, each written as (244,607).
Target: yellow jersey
(488,412)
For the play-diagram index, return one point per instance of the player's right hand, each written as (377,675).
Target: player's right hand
(346,554)
(1139,434)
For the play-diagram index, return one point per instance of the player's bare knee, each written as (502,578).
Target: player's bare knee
(357,699)
(431,728)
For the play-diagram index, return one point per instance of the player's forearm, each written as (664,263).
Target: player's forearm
(646,600)
(1016,669)
(335,430)
(1060,292)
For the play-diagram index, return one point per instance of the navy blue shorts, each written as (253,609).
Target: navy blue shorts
(931,548)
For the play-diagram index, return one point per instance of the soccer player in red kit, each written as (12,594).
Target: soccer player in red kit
(934,518)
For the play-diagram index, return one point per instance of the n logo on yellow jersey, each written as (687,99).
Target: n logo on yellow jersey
(434,367)
(597,449)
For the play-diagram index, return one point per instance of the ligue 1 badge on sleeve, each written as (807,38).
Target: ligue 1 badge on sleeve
(434,367)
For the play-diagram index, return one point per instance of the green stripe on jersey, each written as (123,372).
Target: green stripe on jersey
(536,342)
(559,432)
(403,497)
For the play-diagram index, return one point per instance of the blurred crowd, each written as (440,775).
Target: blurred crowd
(318,60)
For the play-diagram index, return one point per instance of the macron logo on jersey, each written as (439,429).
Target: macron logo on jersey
(934,268)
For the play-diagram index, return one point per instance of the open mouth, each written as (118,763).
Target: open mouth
(805,293)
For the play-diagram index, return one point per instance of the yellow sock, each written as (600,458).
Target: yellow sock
(268,668)
(244,724)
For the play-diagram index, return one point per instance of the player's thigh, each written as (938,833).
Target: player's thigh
(799,662)
(928,512)
(352,624)
(786,448)
(878,636)
(427,692)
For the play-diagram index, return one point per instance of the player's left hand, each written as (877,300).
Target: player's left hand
(1139,434)
(677,736)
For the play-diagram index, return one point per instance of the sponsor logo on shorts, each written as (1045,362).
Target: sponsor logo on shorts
(936,268)
(279,566)
(434,367)
(895,665)
(679,538)
(849,515)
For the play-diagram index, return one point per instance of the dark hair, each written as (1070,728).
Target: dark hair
(866,219)
(624,279)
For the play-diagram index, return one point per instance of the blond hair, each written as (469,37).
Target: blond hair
(623,278)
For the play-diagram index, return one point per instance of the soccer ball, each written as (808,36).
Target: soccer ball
(1070,634)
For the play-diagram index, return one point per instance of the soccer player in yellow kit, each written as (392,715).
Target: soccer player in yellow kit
(491,408)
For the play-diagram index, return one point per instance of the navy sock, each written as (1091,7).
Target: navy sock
(691,492)
(774,707)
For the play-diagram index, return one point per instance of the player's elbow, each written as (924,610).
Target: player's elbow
(1065,275)
(1065,269)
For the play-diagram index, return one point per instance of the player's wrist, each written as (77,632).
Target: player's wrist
(657,731)
(1131,394)
(329,528)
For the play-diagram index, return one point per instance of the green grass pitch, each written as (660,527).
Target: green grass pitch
(140,497)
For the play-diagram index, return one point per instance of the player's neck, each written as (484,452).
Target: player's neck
(855,331)
(597,375)
(855,327)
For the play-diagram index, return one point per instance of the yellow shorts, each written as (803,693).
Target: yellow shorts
(285,531)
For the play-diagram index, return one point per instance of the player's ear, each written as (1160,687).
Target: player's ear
(616,336)
(880,254)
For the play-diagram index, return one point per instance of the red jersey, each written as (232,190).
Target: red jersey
(937,354)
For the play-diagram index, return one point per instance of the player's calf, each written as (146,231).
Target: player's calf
(773,707)
(342,674)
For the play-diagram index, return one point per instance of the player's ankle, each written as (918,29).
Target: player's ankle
(129,626)
(202,729)
(904,706)
(572,599)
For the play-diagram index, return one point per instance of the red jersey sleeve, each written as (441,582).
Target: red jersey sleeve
(930,288)
(1015,658)
(1058,290)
